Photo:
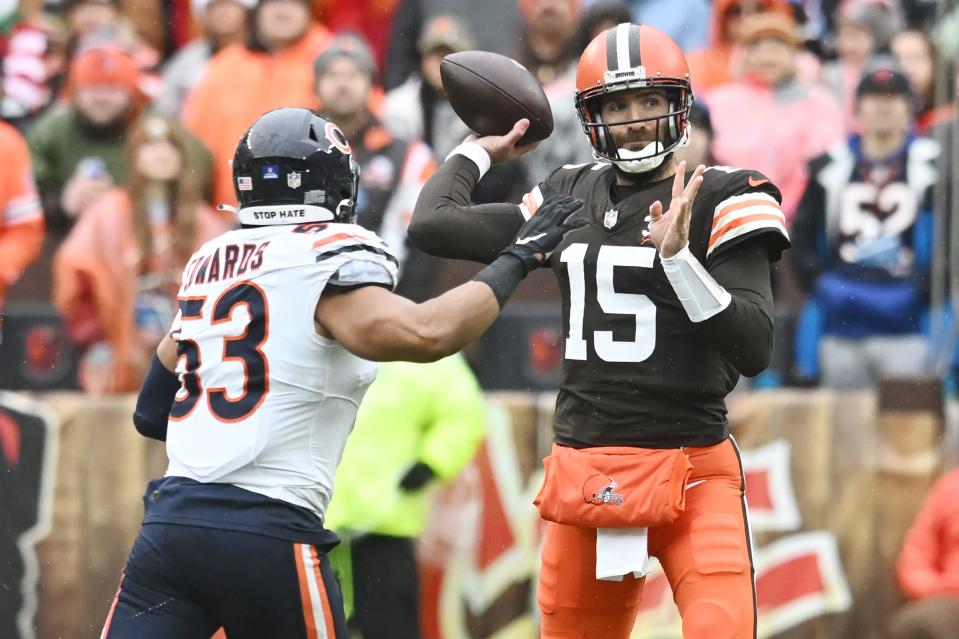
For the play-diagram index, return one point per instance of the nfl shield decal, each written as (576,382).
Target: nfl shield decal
(610,218)
(293,179)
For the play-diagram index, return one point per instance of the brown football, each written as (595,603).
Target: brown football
(490,92)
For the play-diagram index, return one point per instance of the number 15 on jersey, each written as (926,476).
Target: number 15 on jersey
(610,302)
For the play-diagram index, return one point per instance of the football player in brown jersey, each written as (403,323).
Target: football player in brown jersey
(666,302)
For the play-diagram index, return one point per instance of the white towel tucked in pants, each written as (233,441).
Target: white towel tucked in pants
(621,551)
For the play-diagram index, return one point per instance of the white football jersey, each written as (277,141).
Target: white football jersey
(265,402)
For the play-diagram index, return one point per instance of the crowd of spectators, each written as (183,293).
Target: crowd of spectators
(796,89)
(120,120)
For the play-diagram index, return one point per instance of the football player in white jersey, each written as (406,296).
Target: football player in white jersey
(280,322)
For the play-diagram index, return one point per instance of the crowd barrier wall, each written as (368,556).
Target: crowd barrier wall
(832,486)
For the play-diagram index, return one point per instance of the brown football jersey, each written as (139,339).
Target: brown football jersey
(636,371)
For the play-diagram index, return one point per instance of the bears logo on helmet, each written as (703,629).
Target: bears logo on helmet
(294,157)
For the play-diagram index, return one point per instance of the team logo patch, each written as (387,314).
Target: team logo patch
(336,138)
(600,490)
(294,179)
(610,218)
(271,172)
(244,183)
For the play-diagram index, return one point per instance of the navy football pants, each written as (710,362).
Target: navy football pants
(185,582)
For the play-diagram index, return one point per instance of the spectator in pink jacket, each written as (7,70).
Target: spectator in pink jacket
(771,119)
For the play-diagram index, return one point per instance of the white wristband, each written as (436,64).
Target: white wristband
(474,152)
(701,295)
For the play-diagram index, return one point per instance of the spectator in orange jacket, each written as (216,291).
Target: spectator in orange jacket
(21,218)
(116,275)
(274,69)
(713,66)
(928,567)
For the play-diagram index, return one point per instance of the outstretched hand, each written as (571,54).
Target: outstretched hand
(503,147)
(543,232)
(670,230)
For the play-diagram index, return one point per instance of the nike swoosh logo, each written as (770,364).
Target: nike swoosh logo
(753,182)
(532,238)
(695,483)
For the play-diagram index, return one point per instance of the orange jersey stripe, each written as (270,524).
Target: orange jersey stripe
(335,238)
(744,220)
(739,206)
(301,575)
(327,611)
(113,608)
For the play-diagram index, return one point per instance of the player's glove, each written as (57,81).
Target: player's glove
(416,477)
(543,232)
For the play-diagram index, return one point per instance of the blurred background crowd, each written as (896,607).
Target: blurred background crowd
(124,114)
(120,118)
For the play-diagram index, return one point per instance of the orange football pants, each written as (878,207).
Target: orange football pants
(706,555)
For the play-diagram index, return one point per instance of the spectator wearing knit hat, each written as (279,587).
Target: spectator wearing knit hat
(418,108)
(863,238)
(77,147)
(223,22)
(392,169)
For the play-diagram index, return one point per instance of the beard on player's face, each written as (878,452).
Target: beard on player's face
(634,137)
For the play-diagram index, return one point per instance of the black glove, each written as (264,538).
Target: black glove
(543,232)
(416,477)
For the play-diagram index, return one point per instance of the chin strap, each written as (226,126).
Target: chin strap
(701,296)
(649,157)
(642,161)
